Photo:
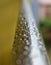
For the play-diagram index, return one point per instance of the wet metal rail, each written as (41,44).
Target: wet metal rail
(28,47)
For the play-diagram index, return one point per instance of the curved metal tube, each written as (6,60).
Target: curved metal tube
(28,47)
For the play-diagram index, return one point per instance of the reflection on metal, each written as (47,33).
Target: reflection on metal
(28,47)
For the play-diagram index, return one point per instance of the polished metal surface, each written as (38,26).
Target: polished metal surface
(28,47)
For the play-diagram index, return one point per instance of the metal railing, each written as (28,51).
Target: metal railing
(28,47)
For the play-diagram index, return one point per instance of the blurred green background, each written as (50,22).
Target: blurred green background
(45,23)
(45,29)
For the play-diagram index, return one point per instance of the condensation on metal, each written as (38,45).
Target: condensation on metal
(28,47)
(37,45)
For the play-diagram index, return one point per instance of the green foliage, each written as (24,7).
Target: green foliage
(46,23)
(45,30)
